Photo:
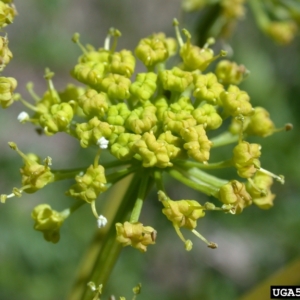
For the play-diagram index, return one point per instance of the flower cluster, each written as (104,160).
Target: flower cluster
(277,19)
(154,122)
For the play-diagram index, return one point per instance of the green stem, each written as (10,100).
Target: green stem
(66,212)
(158,180)
(114,163)
(206,22)
(104,250)
(142,193)
(223,139)
(118,175)
(207,178)
(194,183)
(259,14)
(212,166)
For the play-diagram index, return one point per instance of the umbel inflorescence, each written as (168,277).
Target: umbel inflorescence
(154,122)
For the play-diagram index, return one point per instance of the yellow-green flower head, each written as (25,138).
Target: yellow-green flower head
(234,193)
(236,102)
(142,119)
(207,116)
(144,86)
(135,235)
(260,123)
(177,121)
(183,213)
(229,72)
(173,144)
(207,87)
(90,73)
(94,103)
(58,119)
(260,190)
(7,87)
(116,86)
(122,148)
(48,221)
(246,158)
(152,50)
(282,32)
(7,14)
(89,133)
(89,185)
(152,152)
(183,104)
(34,175)
(175,80)
(117,114)
(197,143)
(5,53)
(122,63)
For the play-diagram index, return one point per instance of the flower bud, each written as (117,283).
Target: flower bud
(260,190)
(234,193)
(89,185)
(135,235)
(175,80)
(152,152)
(173,144)
(207,116)
(89,133)
(183,104)
(144,86)
(58,119)
(91,55)
(122,148)
(152,50)
(197,143)
(233,9)
(236,102)
(90,73)
(48,221)
(184,213)
(71,92)
(7,14)
(117,114)
(195,58)
(246,158)
(94,103)
(7,87)
(207,88)
(141,119)
(34,175)
(5,53)
(230,73)
(282,32)
(122,63)
(260,123)
(116,86)
(175,122)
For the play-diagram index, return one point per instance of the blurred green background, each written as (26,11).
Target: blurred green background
(252,245)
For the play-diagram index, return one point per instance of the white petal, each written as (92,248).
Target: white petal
(103,143)
(23,116)
(101,221)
